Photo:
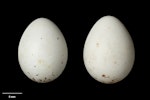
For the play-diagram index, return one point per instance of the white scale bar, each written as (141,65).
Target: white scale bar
(12,93)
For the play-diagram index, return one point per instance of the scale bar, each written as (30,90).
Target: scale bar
(12,93)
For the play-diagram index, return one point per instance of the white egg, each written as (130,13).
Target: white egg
(42,51)
(108,51)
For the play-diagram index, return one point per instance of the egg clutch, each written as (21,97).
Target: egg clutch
(108,52)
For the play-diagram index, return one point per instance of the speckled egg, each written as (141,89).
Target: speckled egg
(42,51)
(108,51)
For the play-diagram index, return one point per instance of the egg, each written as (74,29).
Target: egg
(108,52)
(42,51)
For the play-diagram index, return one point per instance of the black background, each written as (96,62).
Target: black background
(75,21)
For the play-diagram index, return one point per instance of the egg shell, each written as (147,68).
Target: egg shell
(108,51)
(42,51)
